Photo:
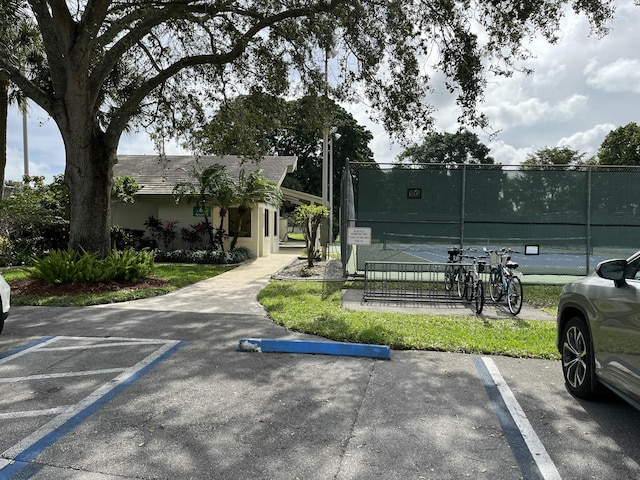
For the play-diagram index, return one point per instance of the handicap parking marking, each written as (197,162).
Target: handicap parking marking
(67,417)
(533,458)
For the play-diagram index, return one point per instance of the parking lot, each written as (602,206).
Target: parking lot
(194,407)
(76,376)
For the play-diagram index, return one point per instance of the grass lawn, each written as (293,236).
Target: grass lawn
(315,308)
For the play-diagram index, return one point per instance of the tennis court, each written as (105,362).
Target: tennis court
(560,263)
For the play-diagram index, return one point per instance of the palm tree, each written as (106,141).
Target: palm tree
(250,190)
(21,39)
(211,187)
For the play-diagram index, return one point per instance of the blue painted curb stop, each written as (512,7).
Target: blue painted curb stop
(314,347)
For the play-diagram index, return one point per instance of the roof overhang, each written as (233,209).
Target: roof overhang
(300,198)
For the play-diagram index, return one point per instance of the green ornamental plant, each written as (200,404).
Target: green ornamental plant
(69,266)
(308,217)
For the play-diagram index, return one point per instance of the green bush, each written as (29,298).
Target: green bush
(209,257)
(69,266)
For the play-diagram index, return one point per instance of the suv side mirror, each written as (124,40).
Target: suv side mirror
(613,270)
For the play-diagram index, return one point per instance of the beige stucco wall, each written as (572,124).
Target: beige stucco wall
(134,215)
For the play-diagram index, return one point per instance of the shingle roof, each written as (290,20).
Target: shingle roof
(157,175)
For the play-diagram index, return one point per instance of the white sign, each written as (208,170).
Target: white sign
(359,236)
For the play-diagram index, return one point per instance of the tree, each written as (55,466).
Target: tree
(461,147)
(621,146)
(33,219)
(124,190)
(252,189)
(211,187)
(550,185)
(115,64)
(26,49)
(309,217)
(554,156)
(259,124)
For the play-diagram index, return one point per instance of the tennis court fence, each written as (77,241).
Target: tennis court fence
(561,221)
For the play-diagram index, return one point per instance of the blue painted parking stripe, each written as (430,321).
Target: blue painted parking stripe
(527,448)
(20,350)
(18,457)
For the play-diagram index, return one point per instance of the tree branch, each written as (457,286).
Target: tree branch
(130,106)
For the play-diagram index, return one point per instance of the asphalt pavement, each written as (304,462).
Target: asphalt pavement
(156,389)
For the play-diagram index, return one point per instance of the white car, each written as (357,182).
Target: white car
(5,298)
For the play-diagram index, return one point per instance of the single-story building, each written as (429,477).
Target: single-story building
(157,177)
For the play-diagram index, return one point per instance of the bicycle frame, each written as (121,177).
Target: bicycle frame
(503,280)
(473,286)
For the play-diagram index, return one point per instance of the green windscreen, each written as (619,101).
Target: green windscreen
(559,220)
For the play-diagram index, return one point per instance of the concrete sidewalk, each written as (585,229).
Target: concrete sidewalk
(234,291)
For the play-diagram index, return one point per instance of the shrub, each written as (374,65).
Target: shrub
(210,257)
(122,238)
(128,265)
(69,266)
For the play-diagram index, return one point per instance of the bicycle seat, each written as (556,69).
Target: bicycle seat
(511,264)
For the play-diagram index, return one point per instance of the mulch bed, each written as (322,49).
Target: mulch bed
(42,288)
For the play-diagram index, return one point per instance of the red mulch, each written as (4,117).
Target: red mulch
(30,286)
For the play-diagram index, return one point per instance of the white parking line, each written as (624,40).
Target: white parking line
(67,418)
(545,465)
(35,413)
(47,376)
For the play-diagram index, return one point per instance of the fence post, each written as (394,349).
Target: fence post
(588,232)
(462,195)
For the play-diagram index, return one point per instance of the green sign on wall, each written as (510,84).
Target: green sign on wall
(199,211)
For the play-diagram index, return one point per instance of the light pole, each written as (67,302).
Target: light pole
(336,136)
(25,139)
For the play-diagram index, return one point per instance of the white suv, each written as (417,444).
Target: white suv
(5,298)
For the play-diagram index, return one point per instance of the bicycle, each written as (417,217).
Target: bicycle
(473,286)
(503,281)
(455,275)
(452,272)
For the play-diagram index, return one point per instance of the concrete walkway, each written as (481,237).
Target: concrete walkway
(234,291)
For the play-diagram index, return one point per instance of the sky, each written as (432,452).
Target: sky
(582,88)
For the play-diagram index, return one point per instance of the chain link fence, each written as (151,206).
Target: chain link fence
(561,220)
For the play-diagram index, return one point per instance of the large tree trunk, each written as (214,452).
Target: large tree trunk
(89,174)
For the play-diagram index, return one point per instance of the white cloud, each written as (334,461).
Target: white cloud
(531,111)
(505,154)
(588,141)
(621,75)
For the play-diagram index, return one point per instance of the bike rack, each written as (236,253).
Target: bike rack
(410,281)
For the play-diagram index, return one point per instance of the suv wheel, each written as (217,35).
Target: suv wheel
(577,358)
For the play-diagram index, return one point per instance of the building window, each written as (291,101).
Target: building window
(240,225)
(266,222)
(275,223)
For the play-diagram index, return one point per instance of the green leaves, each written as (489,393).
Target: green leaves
(69,266)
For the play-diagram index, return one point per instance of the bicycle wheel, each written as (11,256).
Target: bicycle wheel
(449,276)
(468,287)
(479,296)
(460,281)
(514,295)
(495,285)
